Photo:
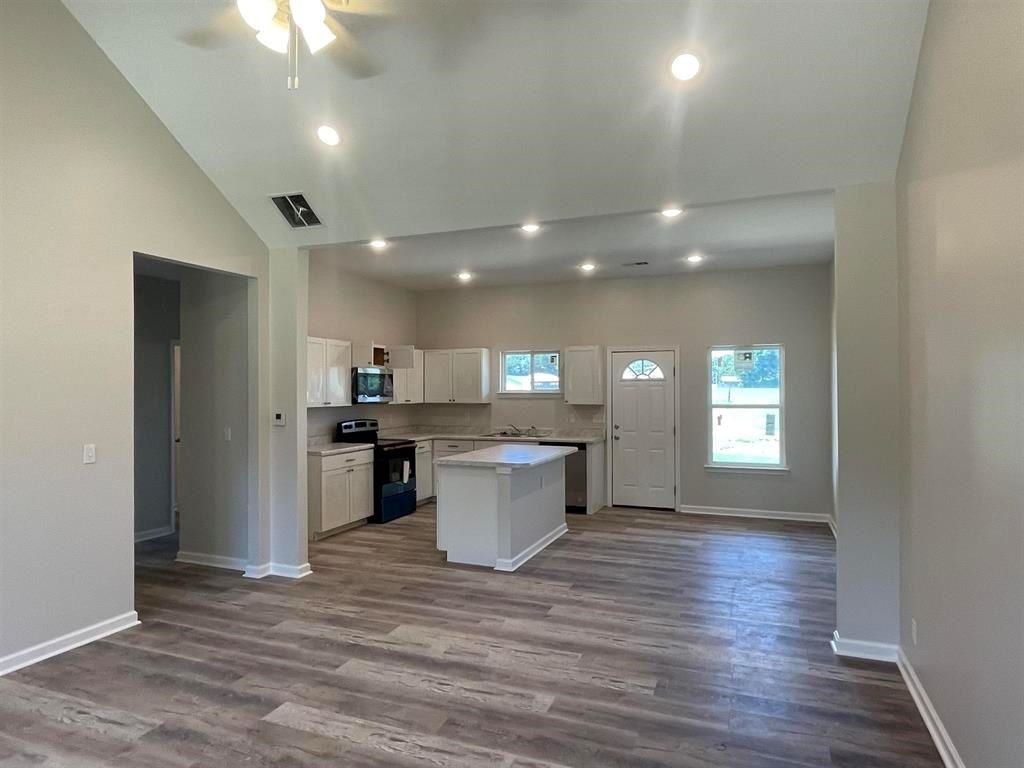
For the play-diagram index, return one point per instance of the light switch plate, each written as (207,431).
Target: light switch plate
(89,453)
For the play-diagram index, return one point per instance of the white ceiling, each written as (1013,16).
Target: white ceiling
(767,232)
(539,109)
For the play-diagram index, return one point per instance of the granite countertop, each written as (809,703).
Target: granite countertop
(448,433)
(333,449)
(509,456)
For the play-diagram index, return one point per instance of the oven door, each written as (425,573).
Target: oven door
(396,470)
(373,385)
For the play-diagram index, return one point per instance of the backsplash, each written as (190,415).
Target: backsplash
(320,422)
(543,413)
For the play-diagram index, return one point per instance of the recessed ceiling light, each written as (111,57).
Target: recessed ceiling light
(671,213)
(530,227)
(588,267)
(685,66)
(328,135)
(695,258)
(378,245)
(465,276)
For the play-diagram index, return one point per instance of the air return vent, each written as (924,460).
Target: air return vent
(636,263)
(296,211)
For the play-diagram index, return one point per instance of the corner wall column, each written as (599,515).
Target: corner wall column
(866,421)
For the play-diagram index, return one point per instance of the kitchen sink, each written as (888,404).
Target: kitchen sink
(525,434)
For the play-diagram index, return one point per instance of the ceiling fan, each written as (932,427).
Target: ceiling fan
(281,24)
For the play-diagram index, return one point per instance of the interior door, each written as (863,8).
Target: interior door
(643,429)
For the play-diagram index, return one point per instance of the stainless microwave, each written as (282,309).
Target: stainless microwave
(374,384)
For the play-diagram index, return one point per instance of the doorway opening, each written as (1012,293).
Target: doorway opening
(643,465)
(195,446)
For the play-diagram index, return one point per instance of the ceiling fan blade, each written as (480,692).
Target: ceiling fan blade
(219,33)
(363,7)
(348,54)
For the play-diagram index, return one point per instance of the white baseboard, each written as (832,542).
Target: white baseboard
(213,561)
(765,514)
(832,526)
(67,642)
(510,564)
(277,569)
(947,750)
(863,649)
(153,533)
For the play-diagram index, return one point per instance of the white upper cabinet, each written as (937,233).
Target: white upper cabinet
(328,372)
(409,381)
(456,375)
(471,375)
(366,354)
(582,373)
(338,367)
(316,375)
(415,377)
(403,356)
(437,376)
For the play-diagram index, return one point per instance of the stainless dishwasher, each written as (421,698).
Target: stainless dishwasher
(575,478)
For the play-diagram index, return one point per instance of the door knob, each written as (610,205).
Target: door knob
(616,426)
(615,438)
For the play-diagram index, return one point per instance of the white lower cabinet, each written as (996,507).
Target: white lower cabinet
(424,470)
(340,491)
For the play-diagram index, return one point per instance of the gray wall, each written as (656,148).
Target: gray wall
(961,217)
(66,315)
(866,452)
(343,305)
(788,306)
(156,325)
(215,478)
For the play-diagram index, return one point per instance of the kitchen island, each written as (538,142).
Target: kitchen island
(500,506)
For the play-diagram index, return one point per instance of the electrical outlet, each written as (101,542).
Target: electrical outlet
(89,453)
(913,631)
(280,419)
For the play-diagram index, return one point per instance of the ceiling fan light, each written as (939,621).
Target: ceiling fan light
(317,37)
(257,13)
(307,13)
(275,37)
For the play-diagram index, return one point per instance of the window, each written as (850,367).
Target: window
(642,369)
(746,407)
(530,371)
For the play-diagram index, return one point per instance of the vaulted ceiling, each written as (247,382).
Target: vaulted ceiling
(491,112)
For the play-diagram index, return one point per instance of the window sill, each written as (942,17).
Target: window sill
(746,469)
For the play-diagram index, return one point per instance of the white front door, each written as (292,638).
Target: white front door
(643,429)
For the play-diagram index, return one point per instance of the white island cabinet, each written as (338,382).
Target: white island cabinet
(500,506)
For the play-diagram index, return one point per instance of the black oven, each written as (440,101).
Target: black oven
(373,384)
(394,468)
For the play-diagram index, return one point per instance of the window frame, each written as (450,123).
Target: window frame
(711,464)
(530,392)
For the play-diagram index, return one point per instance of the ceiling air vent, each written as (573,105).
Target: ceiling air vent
(296,211)
(636,264)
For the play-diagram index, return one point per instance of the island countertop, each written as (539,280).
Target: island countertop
(507,456)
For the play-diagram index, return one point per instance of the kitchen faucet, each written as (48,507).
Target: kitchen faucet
(515,430)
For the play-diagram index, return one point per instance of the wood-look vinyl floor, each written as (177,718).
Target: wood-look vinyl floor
(639,639)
